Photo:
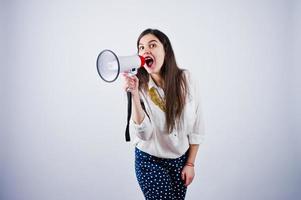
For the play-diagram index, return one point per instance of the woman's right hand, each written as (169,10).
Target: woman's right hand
(131,83)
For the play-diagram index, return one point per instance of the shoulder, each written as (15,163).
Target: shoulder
(188,75)
(192,84)
(188,78)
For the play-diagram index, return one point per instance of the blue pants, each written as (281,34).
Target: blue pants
(160,179)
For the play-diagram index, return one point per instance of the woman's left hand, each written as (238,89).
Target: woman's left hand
(187,174)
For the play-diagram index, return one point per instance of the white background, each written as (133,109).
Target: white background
(62,127)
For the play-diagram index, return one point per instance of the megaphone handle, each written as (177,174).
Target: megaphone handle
(127,131)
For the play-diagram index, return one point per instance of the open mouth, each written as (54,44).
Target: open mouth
(149,61)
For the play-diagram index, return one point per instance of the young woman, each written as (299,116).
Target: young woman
(166,122)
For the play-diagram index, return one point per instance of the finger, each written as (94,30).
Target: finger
(130,76)
(126,81)
(132,84)
(126,75)
(126,84)
(127,88)
(186,182)
(183,176)
(134,79)
(129,80)
(130,87)
(189,181)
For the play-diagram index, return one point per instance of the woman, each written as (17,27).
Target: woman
(166,120)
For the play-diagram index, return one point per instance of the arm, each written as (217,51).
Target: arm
(132,85)
(137,111)
(139,124)
(188,170)
(195,136)
(192,152)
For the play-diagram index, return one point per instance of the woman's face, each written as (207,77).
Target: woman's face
(152,50)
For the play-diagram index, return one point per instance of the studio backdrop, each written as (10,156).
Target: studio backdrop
(62,127)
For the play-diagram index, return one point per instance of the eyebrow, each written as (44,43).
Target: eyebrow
(150,42)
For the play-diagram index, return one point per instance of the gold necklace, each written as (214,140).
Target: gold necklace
(153,93)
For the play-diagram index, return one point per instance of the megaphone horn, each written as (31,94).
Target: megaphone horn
(109,65)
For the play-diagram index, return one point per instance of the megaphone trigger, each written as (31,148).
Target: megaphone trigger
(133,71)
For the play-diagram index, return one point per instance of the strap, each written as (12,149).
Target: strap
(127,131)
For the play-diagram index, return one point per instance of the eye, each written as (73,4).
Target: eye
(141,48)
(152,46)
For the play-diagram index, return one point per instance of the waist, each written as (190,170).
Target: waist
(156,158)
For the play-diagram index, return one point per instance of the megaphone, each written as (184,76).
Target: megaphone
(109,65)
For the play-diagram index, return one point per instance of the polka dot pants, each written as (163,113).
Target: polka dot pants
(160,179)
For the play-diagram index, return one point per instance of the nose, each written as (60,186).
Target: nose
(146,51)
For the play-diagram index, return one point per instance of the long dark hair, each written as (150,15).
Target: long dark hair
(175,83)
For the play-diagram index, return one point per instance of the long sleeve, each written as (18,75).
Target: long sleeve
(144,130)
(196,135)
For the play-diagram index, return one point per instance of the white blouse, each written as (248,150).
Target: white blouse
(152,137)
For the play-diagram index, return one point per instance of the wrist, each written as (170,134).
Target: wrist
(135,92)
(190,164)
(135,96)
